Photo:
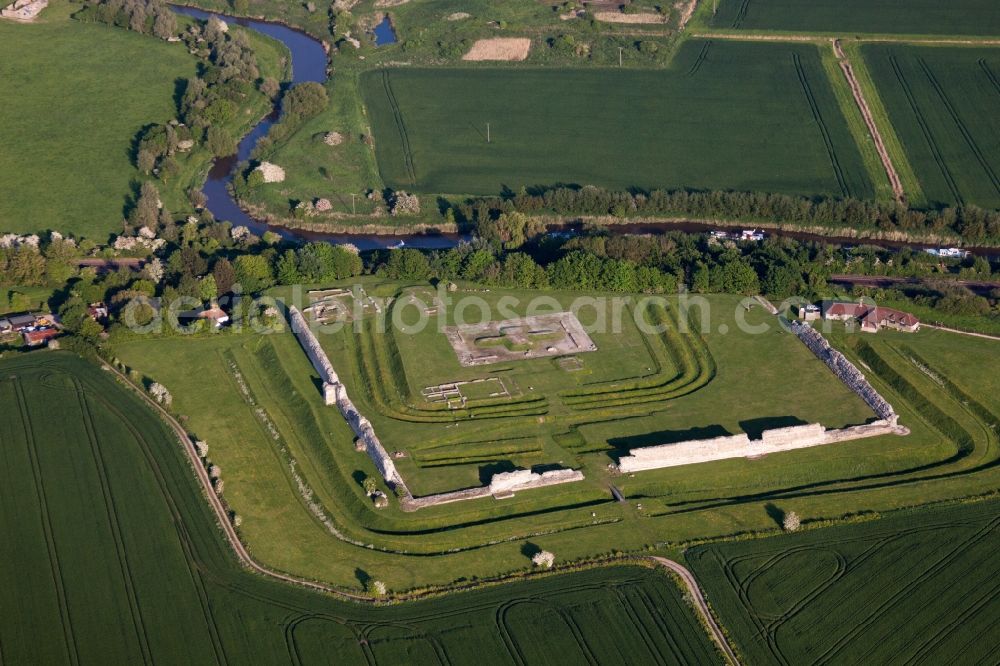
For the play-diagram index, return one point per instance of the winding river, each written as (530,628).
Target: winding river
(309,63)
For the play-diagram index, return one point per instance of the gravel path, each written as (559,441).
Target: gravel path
(859,99)
(699,601)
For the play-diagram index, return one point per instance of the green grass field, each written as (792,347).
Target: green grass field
(71,110)
(944,104)
(724,116)
(959,17)
(111,556)
(636,390)
(920,587)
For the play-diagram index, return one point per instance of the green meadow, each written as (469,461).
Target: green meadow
(75,95)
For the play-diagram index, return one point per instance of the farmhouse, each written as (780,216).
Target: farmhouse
(871,317)
(34,337)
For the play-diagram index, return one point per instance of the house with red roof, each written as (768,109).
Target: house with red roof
(870,317)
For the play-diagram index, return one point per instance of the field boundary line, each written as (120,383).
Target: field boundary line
(873,131)
(699,601)
(961,332)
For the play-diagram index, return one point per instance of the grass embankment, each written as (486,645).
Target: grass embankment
(105,527)
(632,392)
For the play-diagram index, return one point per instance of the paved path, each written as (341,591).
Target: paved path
(699,601)
(859,99)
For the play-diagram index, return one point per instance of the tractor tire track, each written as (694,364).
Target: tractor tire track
(962,127)
(58,583)
(111,513)
(400,126)
(926,130)
(824,130)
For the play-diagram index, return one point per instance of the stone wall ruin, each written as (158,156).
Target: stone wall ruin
(845,370)
(503,484)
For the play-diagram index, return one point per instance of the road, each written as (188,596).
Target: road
(699,602)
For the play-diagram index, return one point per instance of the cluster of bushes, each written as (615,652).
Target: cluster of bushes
(299,104)
(151,17)
(972,224)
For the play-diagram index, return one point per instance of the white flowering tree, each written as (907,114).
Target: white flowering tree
(160,393)
(543,559)
(791,521)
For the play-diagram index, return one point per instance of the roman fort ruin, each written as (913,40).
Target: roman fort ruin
(502,485)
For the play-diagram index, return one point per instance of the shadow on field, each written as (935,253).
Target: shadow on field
(486,472)
(775,513)
(623,444)
(754,427)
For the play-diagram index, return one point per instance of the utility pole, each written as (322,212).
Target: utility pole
(487,132)
(354,210)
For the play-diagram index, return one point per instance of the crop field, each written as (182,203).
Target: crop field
(944,104)
(848,17)
(920,587)
(67,130)
(724,116)
(111,556)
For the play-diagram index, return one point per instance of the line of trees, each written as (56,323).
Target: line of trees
(974,225)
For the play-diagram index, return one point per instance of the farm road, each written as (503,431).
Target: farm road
(873,131)
(699,601)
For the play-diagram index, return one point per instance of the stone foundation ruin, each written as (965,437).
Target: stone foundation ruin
(518,339)
(502,485)
(24,10)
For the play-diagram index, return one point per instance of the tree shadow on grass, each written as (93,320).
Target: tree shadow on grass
(775,513)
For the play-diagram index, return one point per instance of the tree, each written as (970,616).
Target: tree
(407,264)
(207,290)
(304,101)
(164,23)
(146,211)
(225,276)
(270,87)
(544,559)
(146,160)
(370,485)
(287,268)
(253,273)
(791,521)
(220,142)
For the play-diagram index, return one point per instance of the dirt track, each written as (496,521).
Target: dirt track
(699,601)
(859,99)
